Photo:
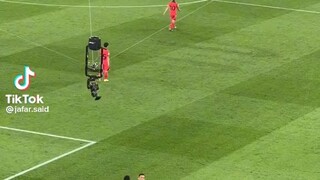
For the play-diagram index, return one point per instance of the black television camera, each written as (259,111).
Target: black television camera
(93,65)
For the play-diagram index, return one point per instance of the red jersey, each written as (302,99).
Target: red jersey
(173,6)
(105,54)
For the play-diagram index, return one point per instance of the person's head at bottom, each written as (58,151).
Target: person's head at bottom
(126,177)
(141,176)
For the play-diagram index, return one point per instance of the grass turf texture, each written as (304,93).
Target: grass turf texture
(231,94)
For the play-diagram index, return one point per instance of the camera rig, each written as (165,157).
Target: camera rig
(93,65)
(93,86)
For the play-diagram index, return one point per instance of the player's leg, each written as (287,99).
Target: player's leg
(106,75)
(170,25)
(105,72)
(173,22)
(175,19)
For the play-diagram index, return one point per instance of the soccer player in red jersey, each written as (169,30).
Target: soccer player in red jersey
(173,6)
(105,61)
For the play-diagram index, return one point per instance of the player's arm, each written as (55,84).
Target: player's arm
(178,7)
(166,10)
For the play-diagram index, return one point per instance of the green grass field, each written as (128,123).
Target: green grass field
(233,93)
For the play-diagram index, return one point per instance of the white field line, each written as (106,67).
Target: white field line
(90,17)
(89,143)
(83,6)
(90,25)
(267,6)
(49,161)
(76,61)
(39,45)
(45,134)
(142,40)
(221,1)
(151,6)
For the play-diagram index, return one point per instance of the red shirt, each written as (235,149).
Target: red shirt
(106,54)
(173,6)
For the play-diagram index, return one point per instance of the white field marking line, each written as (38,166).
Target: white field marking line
(82,6)
(90,24)
(66,56)
(89,143)
(90,17)
(267,6)
(159,30)
(49,161)
(46,134)
(39,45)
(74,60)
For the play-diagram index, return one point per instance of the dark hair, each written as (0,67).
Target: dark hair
(106,44)
(173,0)
(126,177)
(141,174)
